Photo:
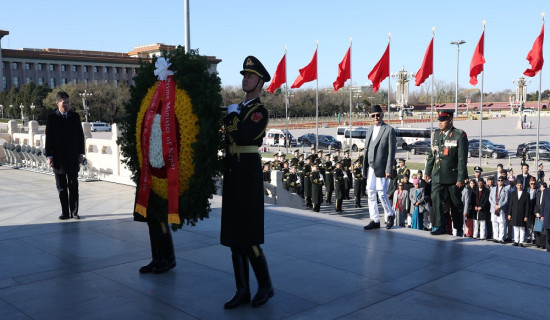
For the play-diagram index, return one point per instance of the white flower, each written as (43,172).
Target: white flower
(155,144)
(161,68)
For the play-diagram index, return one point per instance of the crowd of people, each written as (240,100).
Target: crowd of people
(499,207)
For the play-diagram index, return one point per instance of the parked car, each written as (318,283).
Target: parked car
(325,141)
(100,126)
(486,150)
(276,137)
(530,145)
(544,152)
(500,146)
(419,147)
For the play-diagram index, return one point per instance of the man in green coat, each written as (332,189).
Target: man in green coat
(447,167)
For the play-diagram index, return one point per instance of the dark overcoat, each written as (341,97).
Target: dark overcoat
(64,142)
(518,208)
(242,223)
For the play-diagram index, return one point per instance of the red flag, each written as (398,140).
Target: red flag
(344,71)
(307,73)
(280,76)
(381,70)
(476,66)
(427,67)
(535,58)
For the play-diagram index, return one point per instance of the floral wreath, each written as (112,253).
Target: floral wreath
(174,117)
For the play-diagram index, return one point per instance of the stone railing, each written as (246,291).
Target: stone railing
(26,151)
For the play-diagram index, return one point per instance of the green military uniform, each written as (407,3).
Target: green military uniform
(358,176)
(316,190)
(346,166)
(329,180)
(306,183)
(447,165)
(339,188)
(293,182)
(285,172)
(402,171)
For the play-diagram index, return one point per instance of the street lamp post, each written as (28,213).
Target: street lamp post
(402,91)
(32,110)
(22,107)
(85,95)
(457,43)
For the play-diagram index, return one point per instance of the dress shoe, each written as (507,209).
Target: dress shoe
(460,233)
(64,217)
(76,216)
(164,265)
(521,245)
(390,222)
(501,241)
(438,231)
(263,294)
(372,225)
(515,244)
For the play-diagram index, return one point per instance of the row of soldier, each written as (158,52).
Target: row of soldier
(306,176)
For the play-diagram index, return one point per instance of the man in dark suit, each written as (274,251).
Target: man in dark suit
(242,225)
(447,167)
(518,213)
(65,151)
(525,177)
(379,161)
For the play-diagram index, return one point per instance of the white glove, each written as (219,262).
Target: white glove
(345,175)
(233,108)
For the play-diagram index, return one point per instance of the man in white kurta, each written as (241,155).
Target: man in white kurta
(379,161)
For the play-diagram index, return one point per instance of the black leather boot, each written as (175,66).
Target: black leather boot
(240,269)
(167,256)
(265,290)
(155,254)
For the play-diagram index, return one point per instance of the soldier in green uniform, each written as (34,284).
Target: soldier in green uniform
(339,187)
(402,170)
(361,160)
(301,165)
(358,176)
(306,182)
(447,167)
(285,170)
(348,179)
(275,163)
(294,160)
(293,180)
(316,187)
(242,218)
(329,180)
(266,174)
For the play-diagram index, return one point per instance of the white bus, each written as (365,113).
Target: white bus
(358,136)
(406,135)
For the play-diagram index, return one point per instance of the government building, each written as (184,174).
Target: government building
(57,67)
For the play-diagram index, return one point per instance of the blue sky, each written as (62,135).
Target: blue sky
(231,30)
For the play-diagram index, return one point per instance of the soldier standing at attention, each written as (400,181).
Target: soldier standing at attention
(293,180)
(358,176)
(348,179)
(447,167)
(338,185)
(242,222)
(306,182)
(316,187)
(402,170)
(329,180)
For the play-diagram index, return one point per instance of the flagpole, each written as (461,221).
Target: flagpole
(350,96)
(432,98)
(481,108)
(389,83)
(317,99)
(538,120)
(288,139)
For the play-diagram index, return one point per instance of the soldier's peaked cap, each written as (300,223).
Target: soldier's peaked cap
(252,64)
(445,114)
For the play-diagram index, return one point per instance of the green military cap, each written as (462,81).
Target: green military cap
(252,64)
(267,163)
(445,114)
(401,160)
(297,151)
(478,169)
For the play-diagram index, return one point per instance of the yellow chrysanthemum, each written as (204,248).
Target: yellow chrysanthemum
(188,130)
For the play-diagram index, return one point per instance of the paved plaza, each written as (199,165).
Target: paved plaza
(323,265)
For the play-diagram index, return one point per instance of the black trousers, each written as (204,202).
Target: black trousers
(67,187)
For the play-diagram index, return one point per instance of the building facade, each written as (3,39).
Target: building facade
(57,67)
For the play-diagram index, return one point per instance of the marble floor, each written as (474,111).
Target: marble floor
(323,265)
